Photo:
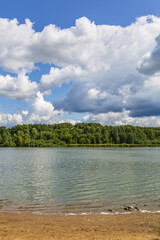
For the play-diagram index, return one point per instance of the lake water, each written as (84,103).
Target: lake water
(78,180)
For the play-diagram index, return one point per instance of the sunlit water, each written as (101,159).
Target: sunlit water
(60,180)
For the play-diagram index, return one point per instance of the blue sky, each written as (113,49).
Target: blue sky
(81,60)
(64,12)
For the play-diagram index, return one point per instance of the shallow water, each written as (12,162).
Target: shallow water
(60,180)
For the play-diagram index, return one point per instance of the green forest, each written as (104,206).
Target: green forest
(78,135)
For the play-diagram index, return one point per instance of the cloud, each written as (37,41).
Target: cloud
(93,93)
(10,119)
(41,111)
(111,75)
(57,76)
(145,102)
(19,88)
(150,63)
(72,121)
(15,40)
(80,99)
(111,68)
(123,118)
(21,47)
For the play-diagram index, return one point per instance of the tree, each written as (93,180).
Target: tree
(130,138)
(7,139)
(34,133)
(123,137)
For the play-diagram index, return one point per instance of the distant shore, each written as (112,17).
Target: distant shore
(79,135)
(88,146)
(28,227)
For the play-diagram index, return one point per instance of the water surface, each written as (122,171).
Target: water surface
(59,180)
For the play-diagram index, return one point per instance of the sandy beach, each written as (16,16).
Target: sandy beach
(35,227)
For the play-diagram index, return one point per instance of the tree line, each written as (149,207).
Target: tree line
(80,134)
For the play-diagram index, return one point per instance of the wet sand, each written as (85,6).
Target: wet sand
(109,227)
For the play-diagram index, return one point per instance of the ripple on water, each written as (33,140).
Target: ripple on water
(82,180)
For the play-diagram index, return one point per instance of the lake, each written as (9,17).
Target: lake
(78,180)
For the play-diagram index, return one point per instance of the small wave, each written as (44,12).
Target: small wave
(123,213)
(101,213)
(148,211)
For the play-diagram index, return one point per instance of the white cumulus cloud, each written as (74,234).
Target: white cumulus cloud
(19,88)
(112,69)
(41,111)
(123,118)
(10,119)
(58,76)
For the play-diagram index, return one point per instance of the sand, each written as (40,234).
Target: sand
(39,227)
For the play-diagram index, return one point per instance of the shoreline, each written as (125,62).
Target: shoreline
(110,212)
(34,227)
(51,210)
(108,145)
(149,145)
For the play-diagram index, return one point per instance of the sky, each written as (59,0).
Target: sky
(80,61)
